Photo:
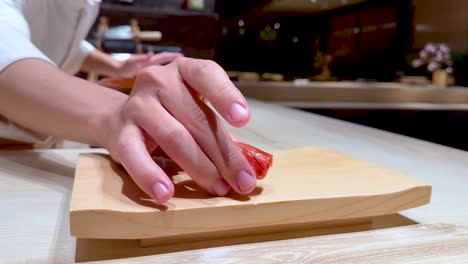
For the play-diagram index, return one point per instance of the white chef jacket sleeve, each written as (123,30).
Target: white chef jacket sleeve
(15,45)
(15,41)
(74,63)
(85,49)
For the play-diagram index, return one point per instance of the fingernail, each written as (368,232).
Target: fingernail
(160,191)
(245,181)
(237,112)
(221,188)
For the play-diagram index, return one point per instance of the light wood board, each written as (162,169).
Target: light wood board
(304,185)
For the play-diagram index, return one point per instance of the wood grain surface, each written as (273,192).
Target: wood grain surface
(436,243)
(304,186)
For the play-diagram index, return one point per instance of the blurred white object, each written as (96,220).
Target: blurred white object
(300,82)
(143,36)
(423,28)
(196,4)
(123,32)
(121,56)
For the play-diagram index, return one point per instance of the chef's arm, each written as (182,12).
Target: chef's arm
(101,63)
(162,110)
(37,95)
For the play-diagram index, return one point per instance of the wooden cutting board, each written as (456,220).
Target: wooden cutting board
(305,187)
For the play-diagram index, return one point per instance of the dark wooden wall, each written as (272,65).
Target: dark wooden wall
(367,40)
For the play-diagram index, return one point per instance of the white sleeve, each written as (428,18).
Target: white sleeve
(12,131)
(75,60)
(86,48)
(15,43)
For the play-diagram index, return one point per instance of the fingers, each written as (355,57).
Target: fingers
(148,57)
(164,57)
(178,144)
(210,80)
(209,132)
(202,129)
(141,57)
(165,104)
(131,67)
(152,59)
(135,158)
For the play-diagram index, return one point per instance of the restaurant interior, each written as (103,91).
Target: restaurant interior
(399,65)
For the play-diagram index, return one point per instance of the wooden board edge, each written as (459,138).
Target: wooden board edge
(73,197)
(139,223)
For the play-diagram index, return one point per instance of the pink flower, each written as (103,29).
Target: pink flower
(417,63)
(433,66)
(444,48)
(430,47)
(423,54)
(435,55)
(440,57)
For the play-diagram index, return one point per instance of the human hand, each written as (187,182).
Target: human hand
(165,109)
(130,67)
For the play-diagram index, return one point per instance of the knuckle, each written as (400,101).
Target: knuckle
(233,161)
(178,61)
(201,118)
(151,74)
(174,135)
(232,157)
(230,163)
(123,144)
(144,176)
(225,90)
(156,78)
(147,73)
(134,106)
(204,67)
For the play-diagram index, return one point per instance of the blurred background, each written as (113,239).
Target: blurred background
(397,65)
(356,39)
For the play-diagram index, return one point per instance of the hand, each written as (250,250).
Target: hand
(136,63)
(165,109)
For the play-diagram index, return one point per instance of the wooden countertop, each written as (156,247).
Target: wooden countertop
(357,95)
(35,188)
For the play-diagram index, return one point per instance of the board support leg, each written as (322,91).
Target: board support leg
(264,233)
